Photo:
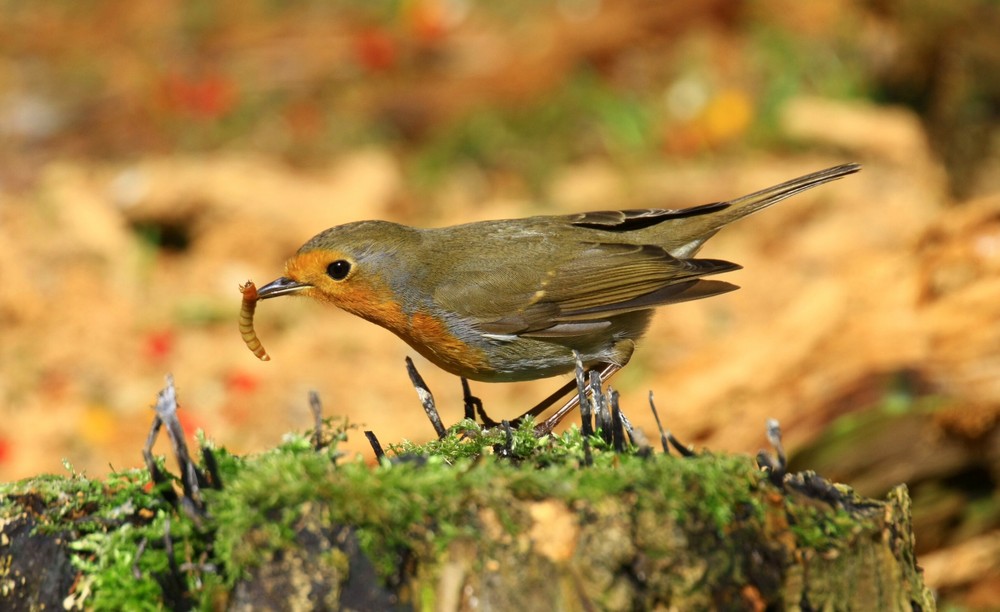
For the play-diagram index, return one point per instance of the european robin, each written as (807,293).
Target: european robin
(514,299)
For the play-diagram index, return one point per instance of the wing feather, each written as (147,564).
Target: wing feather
(580,295)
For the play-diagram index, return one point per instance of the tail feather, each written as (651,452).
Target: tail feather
(688,234)
(748,204)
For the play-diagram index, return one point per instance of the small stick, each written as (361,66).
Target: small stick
(588,456)
(156,475)
(166,409)
(247,309)
(168,545)
(317,411)
(136,571)
(602,416)
(774,437)
(776,467)
(587,428)
(211,467)
(685,451)
(659,425)
(636,437)
(508,439)
(426,398)
(617,425)
(379,453)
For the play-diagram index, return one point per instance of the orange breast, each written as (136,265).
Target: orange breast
(369,297)
(429,336)
(435,342)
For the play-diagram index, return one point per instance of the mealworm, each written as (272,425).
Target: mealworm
(249,291)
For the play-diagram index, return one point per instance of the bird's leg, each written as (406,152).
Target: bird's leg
(546,403)
(474,406)
(472,403)
(606,372)
(550,423)
(538,409)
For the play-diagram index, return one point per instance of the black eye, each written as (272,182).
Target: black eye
(339,269)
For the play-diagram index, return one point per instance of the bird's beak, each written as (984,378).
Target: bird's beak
(281,286)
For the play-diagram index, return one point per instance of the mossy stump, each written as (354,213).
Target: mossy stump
(453,526)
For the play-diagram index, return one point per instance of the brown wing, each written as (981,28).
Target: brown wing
(581,295)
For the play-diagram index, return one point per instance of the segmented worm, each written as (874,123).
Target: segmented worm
(249,291)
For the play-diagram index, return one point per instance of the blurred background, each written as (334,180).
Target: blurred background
(154,155)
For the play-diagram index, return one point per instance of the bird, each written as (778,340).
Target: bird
(523,299)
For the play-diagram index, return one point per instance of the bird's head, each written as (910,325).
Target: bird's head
(350,266)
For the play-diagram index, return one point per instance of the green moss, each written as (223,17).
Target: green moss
(821,528)
(430,502)
(77,503)
(114,529)
(119,571)
(419,502)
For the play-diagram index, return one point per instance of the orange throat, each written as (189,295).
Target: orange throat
(427,334)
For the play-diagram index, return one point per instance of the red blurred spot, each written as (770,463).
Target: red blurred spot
(159,344)
(188,423)
(5,448)
(242,382)
(375,49)
(208,96)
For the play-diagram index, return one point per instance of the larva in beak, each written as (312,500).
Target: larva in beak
(249,291)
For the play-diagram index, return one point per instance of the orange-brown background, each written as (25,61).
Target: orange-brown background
(153,155)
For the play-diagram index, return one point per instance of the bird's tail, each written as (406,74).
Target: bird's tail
(741,207)
(690,233)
